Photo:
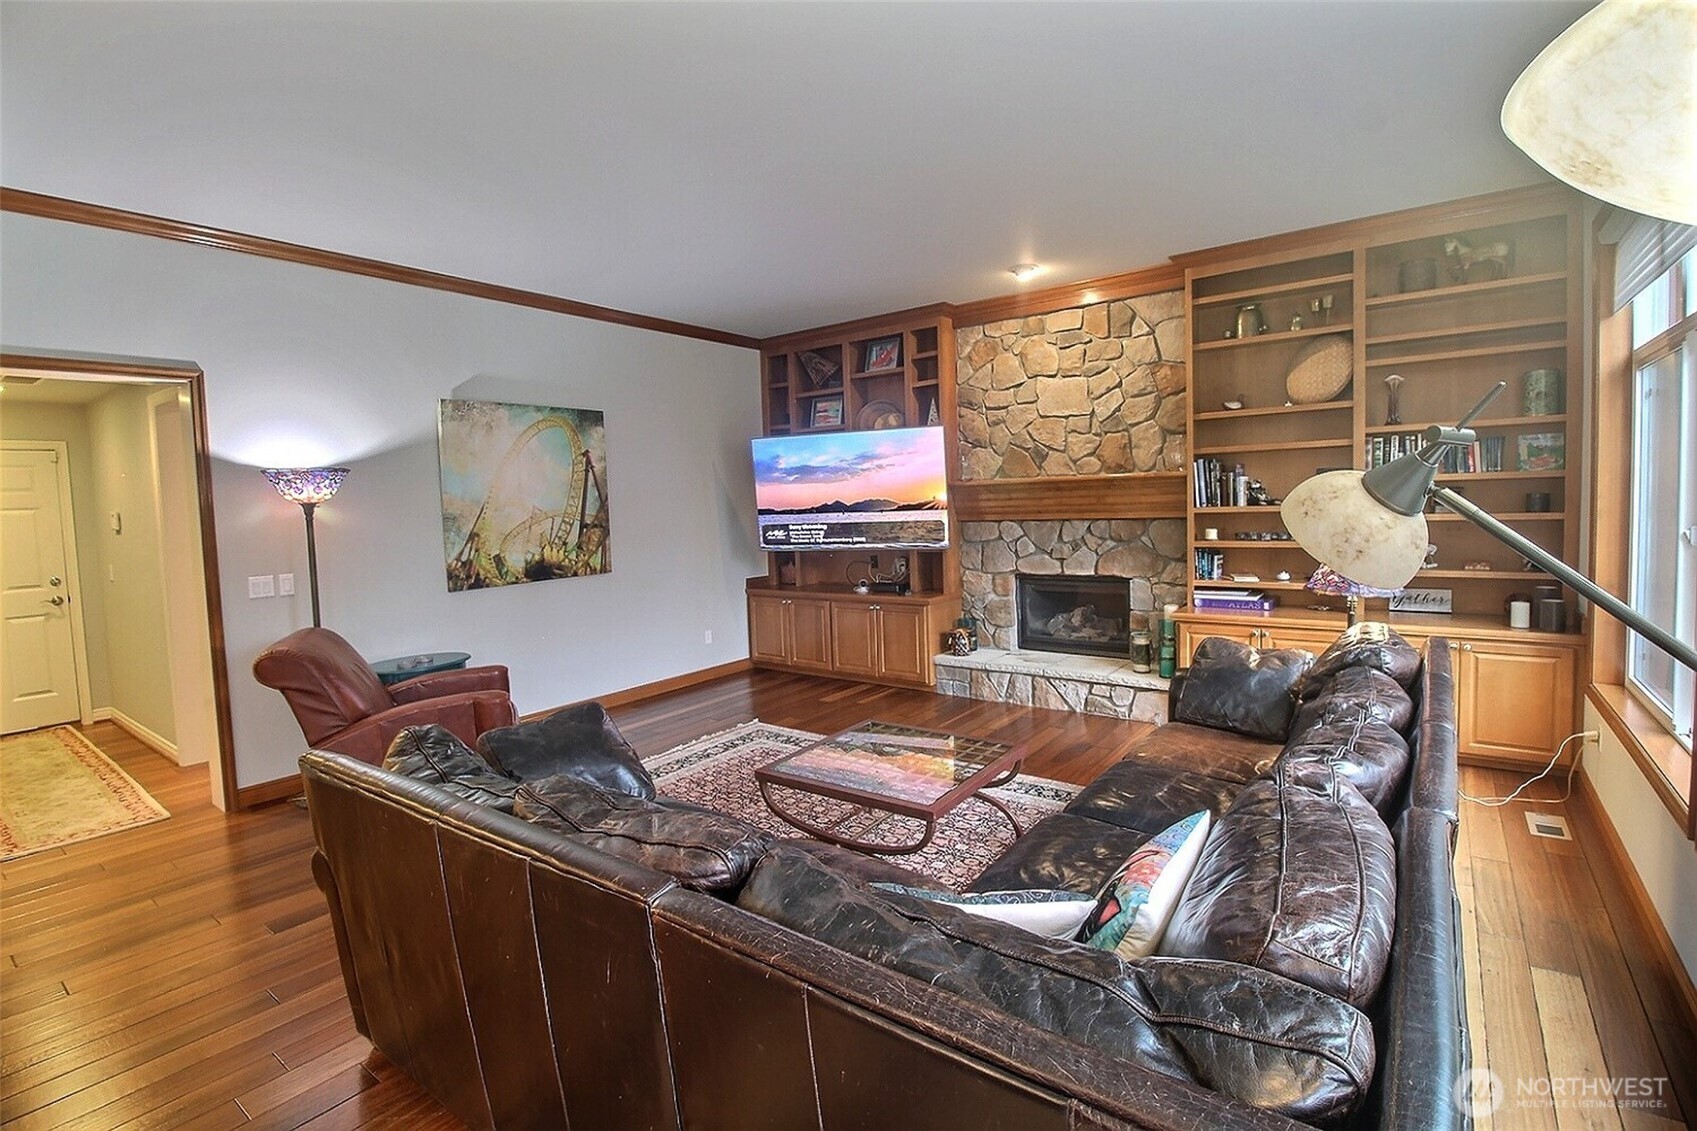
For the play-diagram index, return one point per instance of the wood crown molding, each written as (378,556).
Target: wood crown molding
(1144,494)
(1108,288)
(1531,200)
(99,216)
(869,327)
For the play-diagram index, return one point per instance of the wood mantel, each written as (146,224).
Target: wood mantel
(1146,494)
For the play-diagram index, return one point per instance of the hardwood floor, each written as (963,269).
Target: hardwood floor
(183,974)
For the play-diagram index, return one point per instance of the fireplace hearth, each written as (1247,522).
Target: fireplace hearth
(1086,616)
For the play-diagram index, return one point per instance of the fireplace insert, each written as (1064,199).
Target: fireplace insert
(1089,616)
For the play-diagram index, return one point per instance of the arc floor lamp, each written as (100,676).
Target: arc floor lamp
(308,486)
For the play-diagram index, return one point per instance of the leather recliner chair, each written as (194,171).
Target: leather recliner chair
(341,705)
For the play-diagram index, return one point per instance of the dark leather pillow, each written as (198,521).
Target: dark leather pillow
(697,847)
(1356,693)
(1245,1033)
(1367,753)
(1231,686)
(1370,644)
(1298,877)
(434,754)
(581,741)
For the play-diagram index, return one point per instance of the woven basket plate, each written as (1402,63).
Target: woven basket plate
(1321,370)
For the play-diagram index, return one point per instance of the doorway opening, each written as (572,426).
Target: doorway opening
(139,607)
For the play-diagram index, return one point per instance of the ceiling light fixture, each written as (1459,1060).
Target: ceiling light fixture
(1609,107)
(1024,271)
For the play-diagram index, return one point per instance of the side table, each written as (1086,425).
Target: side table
(405,667)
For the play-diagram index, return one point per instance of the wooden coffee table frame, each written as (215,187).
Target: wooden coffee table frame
(998,771)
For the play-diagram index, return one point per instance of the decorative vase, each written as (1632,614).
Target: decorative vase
(1393,401)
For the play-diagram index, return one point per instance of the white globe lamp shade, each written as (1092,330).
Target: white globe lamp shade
(1334,518)
(1610,107)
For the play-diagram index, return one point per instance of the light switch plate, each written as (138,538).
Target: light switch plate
(264,586)
(285,585)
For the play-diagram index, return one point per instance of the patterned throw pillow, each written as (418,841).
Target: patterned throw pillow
(1132,911)
(1054,914)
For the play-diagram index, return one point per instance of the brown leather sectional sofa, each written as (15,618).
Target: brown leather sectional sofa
(535,974)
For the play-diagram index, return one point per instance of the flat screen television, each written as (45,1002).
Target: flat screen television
(853,490)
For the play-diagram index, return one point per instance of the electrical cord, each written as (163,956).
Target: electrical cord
(1567,788)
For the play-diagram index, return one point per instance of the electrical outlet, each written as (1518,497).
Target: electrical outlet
(285,585)
(872,561)
(707,637)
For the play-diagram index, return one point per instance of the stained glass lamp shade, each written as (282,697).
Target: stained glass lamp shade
(308,486)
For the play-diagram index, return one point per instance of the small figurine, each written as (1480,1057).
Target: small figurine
(1431,561)
(1295,322)
(1234,405)
(1258,496)
(1393,403)
(1282,575)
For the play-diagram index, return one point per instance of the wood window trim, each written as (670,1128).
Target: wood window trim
(1666,765)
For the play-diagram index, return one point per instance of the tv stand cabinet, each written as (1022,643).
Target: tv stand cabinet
(832,630)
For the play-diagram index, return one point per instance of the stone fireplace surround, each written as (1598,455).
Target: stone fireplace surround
(1086,390)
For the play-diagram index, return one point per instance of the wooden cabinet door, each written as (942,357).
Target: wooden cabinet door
(1315,640)
(810,633)
(1190,635)
(854,638)
(768,629)
(1513,700)
(904,643)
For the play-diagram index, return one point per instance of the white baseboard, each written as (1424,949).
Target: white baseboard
(140,732)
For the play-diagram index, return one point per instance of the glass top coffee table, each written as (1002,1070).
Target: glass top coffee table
(889,770)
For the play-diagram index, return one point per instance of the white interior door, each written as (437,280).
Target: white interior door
(38,674)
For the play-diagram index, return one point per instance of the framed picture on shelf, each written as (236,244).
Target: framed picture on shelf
(1543,451)
(883,353)
(827,412)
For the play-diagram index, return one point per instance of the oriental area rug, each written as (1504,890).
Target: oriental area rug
(57,788)
(718,771)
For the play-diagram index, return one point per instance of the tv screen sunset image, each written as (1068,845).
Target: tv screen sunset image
(845,489)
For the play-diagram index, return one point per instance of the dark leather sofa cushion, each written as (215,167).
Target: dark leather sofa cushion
(1066,851)
(1234,687)
(699,848)
(1354,693)
(1239,1031)
(1149,796)
(434,754)
(1204,750)
(1365,752)
(581,741)
(1298,877)
(1370,644)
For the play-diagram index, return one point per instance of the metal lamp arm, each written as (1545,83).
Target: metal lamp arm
(1566,574)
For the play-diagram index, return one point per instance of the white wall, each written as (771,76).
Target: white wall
(131,584)
(306,366)
(1664,859)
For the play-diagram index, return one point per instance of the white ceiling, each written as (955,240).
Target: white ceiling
(761,168)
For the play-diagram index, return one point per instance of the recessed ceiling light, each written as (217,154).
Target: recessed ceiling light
(1024,271)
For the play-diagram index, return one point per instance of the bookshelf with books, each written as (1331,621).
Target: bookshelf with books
(1449,300)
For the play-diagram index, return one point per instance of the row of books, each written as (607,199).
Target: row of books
(1216,485)
(1483,454)
(1233,601)
(1210,565)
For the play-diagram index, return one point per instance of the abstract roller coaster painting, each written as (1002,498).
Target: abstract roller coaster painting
(524,493)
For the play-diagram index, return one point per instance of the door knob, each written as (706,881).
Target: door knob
(54,581)
(55,600)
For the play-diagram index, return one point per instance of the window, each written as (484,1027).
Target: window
(1662,556)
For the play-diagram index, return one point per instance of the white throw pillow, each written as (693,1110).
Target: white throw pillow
(1135,904)
(1053,914)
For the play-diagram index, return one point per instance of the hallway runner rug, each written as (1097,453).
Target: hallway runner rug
(718,771)
(57,788)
